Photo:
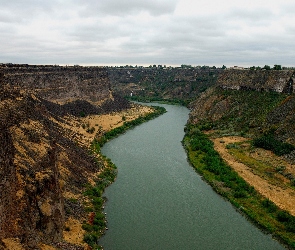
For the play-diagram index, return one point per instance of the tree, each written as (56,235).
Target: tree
(223,67)
(267,67)
(277,67)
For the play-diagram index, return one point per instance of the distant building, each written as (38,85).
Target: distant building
(237,67)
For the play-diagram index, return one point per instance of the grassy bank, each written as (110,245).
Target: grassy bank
(230,185)
(96,225)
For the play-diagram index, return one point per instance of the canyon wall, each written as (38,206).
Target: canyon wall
(59,84)
(163,83)
(42,166)
(40,159)
(250,102)
(259,80)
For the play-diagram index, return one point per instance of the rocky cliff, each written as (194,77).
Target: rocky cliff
(59,84)
(42,164)
(249,102)
(163,83)
(259,80)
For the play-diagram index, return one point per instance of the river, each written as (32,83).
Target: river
(158,201)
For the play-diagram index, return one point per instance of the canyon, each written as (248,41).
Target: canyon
(44,154)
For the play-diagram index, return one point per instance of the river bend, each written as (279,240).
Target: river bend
(158,201)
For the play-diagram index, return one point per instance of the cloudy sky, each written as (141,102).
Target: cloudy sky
(144,32)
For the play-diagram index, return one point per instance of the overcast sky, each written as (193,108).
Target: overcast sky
(144,32)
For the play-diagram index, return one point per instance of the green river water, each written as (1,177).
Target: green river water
(158,201)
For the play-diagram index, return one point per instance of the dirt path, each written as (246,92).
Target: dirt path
(282,197)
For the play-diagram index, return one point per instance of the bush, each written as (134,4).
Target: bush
(232,146)
(290,225)
(283,216)
(90,130)
(90,238)
(215,164)
(240,194)
(269,205)
(268,142)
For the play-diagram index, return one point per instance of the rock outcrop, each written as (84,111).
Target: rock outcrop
(59,84)
(31,199)
(40,158)
(163,83)
(259,80)
(250,102)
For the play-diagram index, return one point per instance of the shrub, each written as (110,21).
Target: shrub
(269,142)
(90,130)
(283,216)
(240,194)
(290,225)
(232,146)
(280,169)
(269,205)
(90,238)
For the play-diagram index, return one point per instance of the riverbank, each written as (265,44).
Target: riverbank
(239,183)
(97,130)
(159,100)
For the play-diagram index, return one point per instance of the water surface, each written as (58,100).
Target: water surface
(159,202)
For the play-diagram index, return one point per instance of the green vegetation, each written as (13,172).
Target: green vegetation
(158,83)
(242,113)
(267,67)
(223,179)
(269,142)
(277,67)
(159,100)
(229,184)
(96,223)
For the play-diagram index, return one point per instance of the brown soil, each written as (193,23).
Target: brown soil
(12,244)
(101,123)
(281,194)
(74,232)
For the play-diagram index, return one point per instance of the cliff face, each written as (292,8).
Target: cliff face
(187,83)
(164,83)
(40,158)
(249,102)
(59,84)
(31,199)
(259,80)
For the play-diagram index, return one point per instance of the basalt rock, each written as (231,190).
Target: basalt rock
(59,84)
(31,205)
(40,160)
(161,82)
(259,80)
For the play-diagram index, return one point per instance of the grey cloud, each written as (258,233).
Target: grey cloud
(256,16)
(113,31)
(21,11)
(127,7)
